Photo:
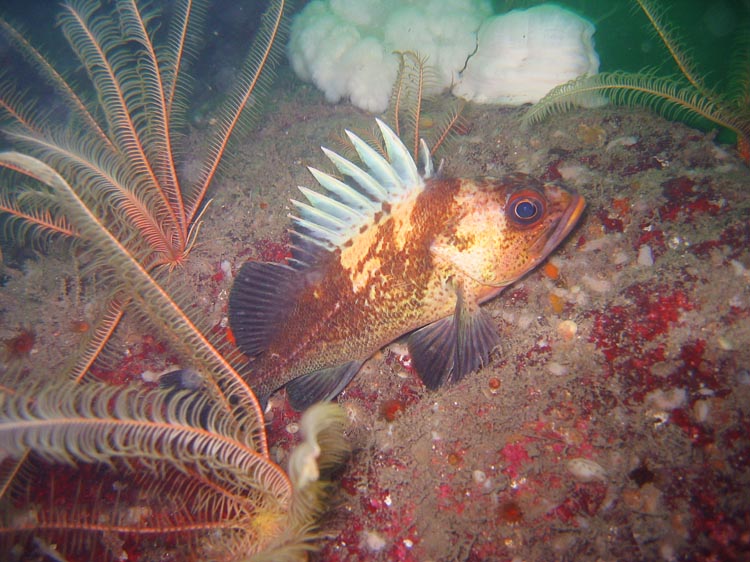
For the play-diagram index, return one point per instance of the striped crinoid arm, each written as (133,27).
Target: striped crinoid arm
(129,101)
(33,212)
(407,96)
(194,467)
(180,47)
(674,45)
(103,180)
(672,97)
(241,107)
(155,136)
(37,219)
(408,102)
(102,165)
(225,382)
(94,345)
(177,466)
(13,101)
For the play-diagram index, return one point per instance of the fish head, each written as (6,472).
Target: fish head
(503,228)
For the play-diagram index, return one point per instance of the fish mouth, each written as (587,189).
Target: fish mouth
(565,224)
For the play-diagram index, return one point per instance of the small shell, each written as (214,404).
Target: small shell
(567,329)
(667,400)
(557,369)
(479,476)
(292,428)
(701,410)
(586,470)
(374,541)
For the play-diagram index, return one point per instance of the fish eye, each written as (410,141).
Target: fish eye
(525,208)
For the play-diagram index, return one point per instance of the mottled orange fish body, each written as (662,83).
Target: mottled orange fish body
(371,265)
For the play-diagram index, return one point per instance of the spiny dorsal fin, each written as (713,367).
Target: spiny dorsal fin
(328,220)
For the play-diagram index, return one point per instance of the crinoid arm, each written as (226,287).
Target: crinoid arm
(674,45)
(241,107)
(199,467)
(195,469)
(158,305)
(684,95)
(671,96)
(408,103)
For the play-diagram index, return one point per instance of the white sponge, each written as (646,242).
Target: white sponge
(523,54)
(346,48)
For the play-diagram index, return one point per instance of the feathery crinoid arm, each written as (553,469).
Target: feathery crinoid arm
(409,102)
(684,95)
(674,45)
(178,51)
(117,52)
(242,105)
(673,97)
(30,117)
(197,467)
(34,213)
(155,301)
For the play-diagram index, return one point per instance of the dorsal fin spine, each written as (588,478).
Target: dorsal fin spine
(401,160)
(343,213)
(369,184)
(346,194)
(320,232)
(426,159)
(310,213)
(379,167)
(329,220)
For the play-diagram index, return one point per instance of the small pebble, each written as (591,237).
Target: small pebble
(597,285)
(292,428)
(645,256)
(586,470)
(701,409)
(621,141)
(479,476)
(725,344)
(738,268)
(226,269)
(667,400)
(557,369)
(620,258)
(525,320)
(374,542)
(595,244)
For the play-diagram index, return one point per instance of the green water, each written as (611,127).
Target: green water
(709,29)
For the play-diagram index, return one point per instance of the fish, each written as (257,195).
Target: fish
(393,248)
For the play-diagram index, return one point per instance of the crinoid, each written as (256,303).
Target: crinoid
(685,95)
(407,111)
(188,464)
(118,150)
(156,472)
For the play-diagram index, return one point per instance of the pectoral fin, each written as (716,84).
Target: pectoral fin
(448,349)
(321,385)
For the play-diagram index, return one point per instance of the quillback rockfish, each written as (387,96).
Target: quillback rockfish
(388,250)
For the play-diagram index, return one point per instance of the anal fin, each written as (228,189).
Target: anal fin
(325,384)
(450,348)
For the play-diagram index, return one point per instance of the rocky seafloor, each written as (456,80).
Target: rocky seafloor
(614,421)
